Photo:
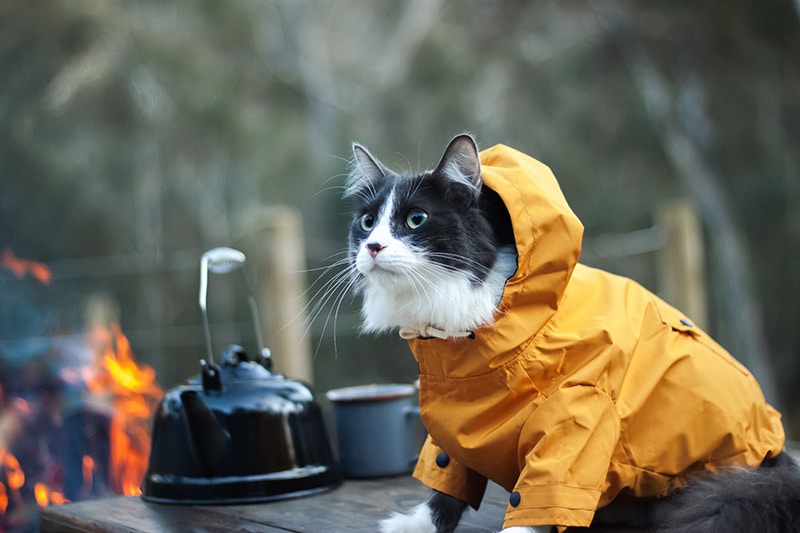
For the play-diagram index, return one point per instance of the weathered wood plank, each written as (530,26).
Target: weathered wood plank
(133,515)
(355,507)
(358,507)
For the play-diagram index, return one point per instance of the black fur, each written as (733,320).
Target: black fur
(446,511)
(764,500)
(457,235)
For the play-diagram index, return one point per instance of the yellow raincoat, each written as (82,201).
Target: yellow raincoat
(585,387)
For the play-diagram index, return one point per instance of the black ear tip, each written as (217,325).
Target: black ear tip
(465,138)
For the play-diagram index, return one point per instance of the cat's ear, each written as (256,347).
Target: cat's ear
(366,171)
(461,163)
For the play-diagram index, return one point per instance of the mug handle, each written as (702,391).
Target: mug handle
(417,429)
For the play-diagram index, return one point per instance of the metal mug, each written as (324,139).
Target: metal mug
(378,429)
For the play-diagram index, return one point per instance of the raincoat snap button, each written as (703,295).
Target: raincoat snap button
(514,499)
(442,460)
(686,323)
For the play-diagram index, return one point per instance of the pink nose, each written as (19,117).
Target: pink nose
(374,248)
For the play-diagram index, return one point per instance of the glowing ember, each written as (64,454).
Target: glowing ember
(45,496)
(87,469)
(3,499)
(20,267)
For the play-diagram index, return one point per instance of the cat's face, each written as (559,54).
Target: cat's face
(420,244)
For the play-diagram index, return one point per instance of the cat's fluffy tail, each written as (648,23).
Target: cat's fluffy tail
(766,500)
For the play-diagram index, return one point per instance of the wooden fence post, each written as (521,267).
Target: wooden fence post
(281,289)
(681,262)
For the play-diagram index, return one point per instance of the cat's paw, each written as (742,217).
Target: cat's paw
(532,529)
(417,520)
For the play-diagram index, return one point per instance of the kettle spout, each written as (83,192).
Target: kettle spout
(208,438)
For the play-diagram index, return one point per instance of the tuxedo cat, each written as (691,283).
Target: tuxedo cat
(517,342)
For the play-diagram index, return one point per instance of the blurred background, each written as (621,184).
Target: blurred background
(134,135)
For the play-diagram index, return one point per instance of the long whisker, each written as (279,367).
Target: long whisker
(313,300)
(459,260)
(423,282)
(337,306)
(330,292)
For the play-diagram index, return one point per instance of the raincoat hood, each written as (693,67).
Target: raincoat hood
(547,233)
(586,385)
(548,242)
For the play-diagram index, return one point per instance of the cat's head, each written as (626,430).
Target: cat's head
(421,243)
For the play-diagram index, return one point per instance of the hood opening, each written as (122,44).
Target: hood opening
(496,213)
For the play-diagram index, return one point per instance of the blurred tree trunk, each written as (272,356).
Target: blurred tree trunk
(680,120)
(384,62)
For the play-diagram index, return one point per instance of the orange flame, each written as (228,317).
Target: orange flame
(15,478)
(134,392)
(20,267)
(14,474)
(45,496)
(87,468)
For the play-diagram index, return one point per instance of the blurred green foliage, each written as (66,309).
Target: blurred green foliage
(135,135)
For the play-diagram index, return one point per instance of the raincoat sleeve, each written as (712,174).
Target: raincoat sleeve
(564,453)
(437,470)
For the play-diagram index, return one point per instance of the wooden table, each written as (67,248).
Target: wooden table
(356,506)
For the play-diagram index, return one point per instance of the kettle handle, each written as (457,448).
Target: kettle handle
(223,260)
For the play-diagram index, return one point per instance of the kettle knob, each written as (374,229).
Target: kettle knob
(212,377)
(266,358)
(235,354)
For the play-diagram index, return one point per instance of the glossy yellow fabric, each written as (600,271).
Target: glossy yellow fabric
(587,385)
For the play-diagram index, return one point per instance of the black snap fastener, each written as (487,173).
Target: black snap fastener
(442,460)
(514,499)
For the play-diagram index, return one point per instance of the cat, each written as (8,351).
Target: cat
(533,370)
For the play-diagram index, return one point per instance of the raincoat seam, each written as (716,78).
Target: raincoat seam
(647,470)
(698,335)
(530,349)
(560,484)
(461,379)
(513,359)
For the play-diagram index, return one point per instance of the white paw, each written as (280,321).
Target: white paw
(418,520)
(533,529)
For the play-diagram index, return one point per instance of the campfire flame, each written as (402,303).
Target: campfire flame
(131,391)
(20,267)
(134,393)
(110,426)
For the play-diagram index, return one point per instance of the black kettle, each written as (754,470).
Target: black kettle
(238,432)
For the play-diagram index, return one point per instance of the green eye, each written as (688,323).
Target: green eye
(416,218)
(367,222)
